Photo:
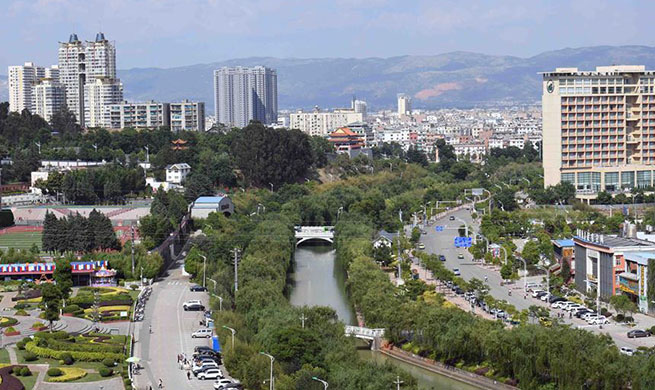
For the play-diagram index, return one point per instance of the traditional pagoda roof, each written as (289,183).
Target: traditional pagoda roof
(179,144)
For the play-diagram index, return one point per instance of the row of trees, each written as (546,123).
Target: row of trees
(166,212)
(78,234)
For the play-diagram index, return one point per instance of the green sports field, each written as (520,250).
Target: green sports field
(20,240)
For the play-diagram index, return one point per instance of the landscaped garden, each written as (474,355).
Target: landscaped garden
(113,303)
(71,358)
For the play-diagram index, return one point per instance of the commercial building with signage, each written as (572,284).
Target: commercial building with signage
(615,265)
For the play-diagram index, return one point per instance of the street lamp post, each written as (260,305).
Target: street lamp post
(397,382)
(272,360)
(525,274)
(233,333)
(325,384)
(547,269)
(204,270)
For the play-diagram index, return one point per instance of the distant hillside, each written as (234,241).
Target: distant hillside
(458,79)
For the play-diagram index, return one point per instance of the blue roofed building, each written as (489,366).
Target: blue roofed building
(205,205)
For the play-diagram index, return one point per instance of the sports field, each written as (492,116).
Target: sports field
(20,240)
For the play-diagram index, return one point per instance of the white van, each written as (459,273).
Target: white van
(200,333)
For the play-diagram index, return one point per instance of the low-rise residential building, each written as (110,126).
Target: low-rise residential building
(473,152)
(187,115)
(177,173)
(146,115)
(564,251)
(322,123)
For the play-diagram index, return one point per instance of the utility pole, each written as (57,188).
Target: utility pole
(400,213)
(236,252)
(133,251)
(397,382)
(303,318)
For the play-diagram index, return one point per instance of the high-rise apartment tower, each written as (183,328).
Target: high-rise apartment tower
(244,94)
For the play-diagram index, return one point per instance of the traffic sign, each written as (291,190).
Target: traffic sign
(463,242)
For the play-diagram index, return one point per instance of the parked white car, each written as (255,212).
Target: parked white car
(599,320)
(202,366)
(202,333)
(558,304)
(572,307)
(536,292)
(627,351)
(212,373)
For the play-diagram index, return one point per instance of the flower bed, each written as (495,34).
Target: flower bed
(11,331)
(69,374)
(7,321)
(39,326)
(9,382)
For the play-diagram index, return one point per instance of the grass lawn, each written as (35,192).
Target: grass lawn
(92,377)
(20,240)
(4,356)
(28,381)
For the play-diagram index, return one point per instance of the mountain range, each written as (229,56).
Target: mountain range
(457,79)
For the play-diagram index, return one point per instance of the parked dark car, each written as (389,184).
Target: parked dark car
(638,333)
(452,218)
(582,312)
(554,298)
(540,294)
(197,288)
(442,257)
(194,307)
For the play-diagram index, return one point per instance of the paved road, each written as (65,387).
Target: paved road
(443,243)
(172,328)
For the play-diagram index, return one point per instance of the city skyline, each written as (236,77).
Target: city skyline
(383,29)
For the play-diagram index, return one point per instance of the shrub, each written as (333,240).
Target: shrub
(30,357)
(105,372)
(16,370)
(22,312)
(25,371)
(67,358)
(128,383)
(620,318)
(71,309)
(7,321)
(38,325)
(20,345)
(69,374)
(134,287)
(10,329)
(20,306)
(54,372)
(77,355)
(108,362)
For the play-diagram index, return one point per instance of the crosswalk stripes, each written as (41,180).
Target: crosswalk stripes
(176,283)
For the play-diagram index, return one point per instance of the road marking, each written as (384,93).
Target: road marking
(179,321)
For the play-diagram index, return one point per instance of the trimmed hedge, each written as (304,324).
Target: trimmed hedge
(71,309)
(77,355)
(58,345)
(69,374)
(30,357)
(54,371)
(105,372)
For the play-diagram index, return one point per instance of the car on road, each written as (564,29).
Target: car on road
(196,288)
(535,293)
(202,333)
(212,373)
(442,258)
(460,256)
(456,272)
(598,320)
(230,386)
(218,385)
(193,305)
(627,351)
(638,333)
(421,246)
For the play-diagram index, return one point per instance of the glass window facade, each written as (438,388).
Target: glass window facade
(627,179)
(643,179)
(568,177)
(595,181)
(584,181)
(611,181)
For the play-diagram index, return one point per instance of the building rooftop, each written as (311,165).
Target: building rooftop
(563,243)
(209,199)
(615,242)
(600,70)
(639,257)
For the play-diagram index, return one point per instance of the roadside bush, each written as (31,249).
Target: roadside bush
(30,357)
(20,345)
(629,319)
(128,383)
(20,306)
(108,362)
(620,317)
(22,312)
(67,358)
(16,370)
(54,372)
(71,309)
(25,371)
(652,329)
(105,372)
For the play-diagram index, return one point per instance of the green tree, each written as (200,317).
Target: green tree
(506,271)
(51,300)
(63,276)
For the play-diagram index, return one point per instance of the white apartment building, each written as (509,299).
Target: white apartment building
(243,94)
(146,115)
(599,128)
(404,104)
(99,95)
(21,79)
(177,173)
(517,142)
(474,152)
(496,143)
(322,123)
(360,107)
(187,115)
(400,136)
(48,97)
(81,63)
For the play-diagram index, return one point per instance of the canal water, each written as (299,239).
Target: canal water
(319,279)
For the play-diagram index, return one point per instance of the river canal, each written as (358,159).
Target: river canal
(320,280)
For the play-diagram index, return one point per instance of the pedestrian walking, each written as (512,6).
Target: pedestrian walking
(570,314)
(160,384)
(188,375)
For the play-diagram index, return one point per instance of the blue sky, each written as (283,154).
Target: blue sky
(167,33)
